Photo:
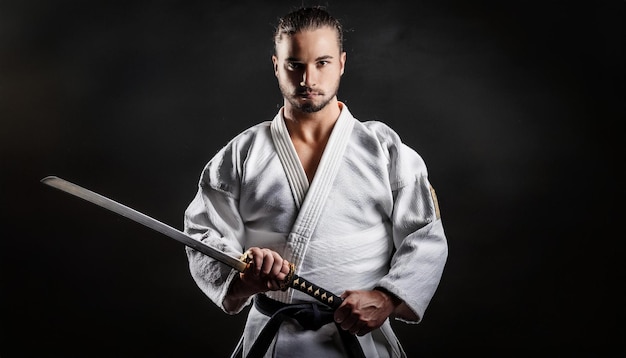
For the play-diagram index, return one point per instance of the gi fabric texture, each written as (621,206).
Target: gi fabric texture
(368,219)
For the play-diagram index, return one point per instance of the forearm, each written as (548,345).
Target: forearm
(237,295)
(400,309)
(265,271)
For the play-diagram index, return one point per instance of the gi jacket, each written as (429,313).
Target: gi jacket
(369,218)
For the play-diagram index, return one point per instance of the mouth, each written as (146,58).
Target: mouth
(307,94)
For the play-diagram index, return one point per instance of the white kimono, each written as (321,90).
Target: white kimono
(368,219)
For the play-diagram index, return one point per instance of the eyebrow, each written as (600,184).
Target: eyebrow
(325,57)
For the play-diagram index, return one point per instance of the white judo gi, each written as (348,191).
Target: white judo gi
(369,218)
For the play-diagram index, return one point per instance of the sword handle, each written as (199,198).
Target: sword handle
(315,291)
(296,282)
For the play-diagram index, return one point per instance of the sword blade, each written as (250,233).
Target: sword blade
(142,219)
(294,281)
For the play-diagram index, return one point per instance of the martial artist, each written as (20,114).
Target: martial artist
(344,201)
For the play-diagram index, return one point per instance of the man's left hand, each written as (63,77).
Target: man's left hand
(363,311)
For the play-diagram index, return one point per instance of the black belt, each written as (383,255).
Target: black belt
(310,316)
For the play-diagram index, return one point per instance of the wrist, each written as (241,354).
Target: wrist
(238,289)
(395,300)
(238,293)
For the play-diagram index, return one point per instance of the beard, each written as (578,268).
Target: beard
(309,106)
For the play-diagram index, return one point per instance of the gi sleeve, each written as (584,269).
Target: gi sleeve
(213,218)
(420,243)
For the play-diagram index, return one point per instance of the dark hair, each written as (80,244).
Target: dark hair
(311,18)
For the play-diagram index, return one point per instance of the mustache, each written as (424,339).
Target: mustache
(303,90)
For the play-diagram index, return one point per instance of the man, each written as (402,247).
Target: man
(345,202)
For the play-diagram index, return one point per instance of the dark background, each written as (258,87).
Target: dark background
(517,108)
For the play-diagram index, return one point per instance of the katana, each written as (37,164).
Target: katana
(240,264)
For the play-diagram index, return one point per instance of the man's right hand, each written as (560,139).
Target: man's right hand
(267,269)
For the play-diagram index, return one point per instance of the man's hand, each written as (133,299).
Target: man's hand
(266,271)
(363,311)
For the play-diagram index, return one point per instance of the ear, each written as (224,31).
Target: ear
(275,63)
(342,61)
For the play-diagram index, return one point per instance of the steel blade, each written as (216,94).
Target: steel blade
(142,219)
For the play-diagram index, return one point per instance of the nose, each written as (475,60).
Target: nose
(307,78)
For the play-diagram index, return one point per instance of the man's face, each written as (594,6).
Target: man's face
(309,65)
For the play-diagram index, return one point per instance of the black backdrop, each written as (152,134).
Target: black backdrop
(517,108)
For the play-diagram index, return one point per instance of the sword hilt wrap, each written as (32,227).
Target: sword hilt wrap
(317,292)
(298,283)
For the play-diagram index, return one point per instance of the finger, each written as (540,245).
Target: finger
(256,257)
(268,262)
(286,267)
(349,322)
(284,271)
(342,313)
(358,328)
(272,285)
(277,266)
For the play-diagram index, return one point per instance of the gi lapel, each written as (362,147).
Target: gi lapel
(296,176)
(310,199)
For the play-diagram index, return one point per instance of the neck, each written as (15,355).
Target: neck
(311,127)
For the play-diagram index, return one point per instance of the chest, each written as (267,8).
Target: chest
(359,197)
(310,155)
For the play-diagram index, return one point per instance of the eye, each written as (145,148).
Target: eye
(323,63)
(294,65)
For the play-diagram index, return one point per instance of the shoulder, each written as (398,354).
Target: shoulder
(404,161)
(374,130)
(225,167)
(381,131)
(387,137)
(246,138)
(239,146)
